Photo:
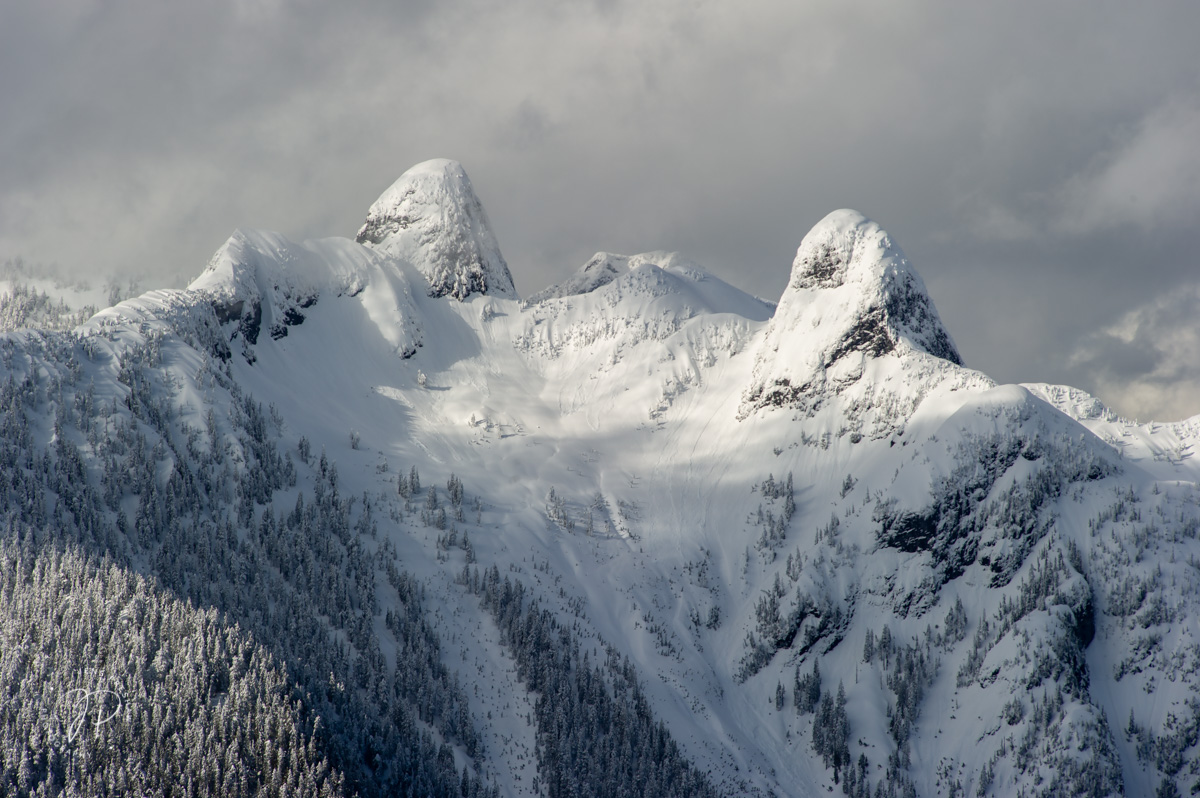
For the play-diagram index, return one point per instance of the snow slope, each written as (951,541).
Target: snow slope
(724,492)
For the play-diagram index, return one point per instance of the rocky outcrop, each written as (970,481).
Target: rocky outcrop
(431,218)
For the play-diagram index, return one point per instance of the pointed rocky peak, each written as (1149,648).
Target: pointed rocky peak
(852,298)
(850,272)
(432,218)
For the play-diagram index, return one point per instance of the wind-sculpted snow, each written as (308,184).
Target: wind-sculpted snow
(431,218)
(640,532)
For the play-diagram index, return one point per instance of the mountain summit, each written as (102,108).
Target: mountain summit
(852,298)
(432,218)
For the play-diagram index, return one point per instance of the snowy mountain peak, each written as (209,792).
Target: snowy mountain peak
(432,218)
(600,270)
(848,251)
(852,298)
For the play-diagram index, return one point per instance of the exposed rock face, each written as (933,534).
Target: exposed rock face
(852,298)
(432,218)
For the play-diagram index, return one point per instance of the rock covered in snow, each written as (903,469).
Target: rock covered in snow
(852,298)
(615,303)
(599,271)
(432,218)
(260,282)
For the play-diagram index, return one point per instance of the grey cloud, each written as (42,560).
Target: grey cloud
(1147,362)
(1113,358)
(1151,180)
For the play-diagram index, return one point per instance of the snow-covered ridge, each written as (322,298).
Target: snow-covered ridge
(1166,449)
(643,336)
(599,271)
(432,218)
(605,267)
(260,283)
(629,299)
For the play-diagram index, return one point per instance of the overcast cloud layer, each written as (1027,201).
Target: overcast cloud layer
(1037,161)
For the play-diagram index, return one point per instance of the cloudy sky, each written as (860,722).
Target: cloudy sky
(1038,162)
